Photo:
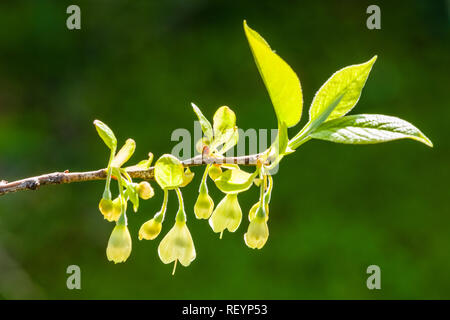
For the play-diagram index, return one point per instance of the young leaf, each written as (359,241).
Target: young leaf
(204,123)
(106,134)
(143,164)
(280,80)
(348,83)
(368,129)
(303,134)
(169,172)
(232,141)
(279,146)
(235,181)
(223,120)
(124,153)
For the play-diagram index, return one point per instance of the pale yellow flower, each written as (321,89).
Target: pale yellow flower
(177,245)
(106,207)
(119,244)
(150,229)
(257,233)
(203,206)
(227,215)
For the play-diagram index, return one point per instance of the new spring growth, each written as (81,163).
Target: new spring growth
(258,231)
(145,190)
(178,245)
(267,195)
(327,121)
(119,244)
(152,228)
(204,205)
(227,215)
(214,172)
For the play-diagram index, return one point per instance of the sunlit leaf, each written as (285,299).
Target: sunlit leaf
(235,181)
(280,80)
(368,129)
(348,83)
(106,134)
(224,119)
(169,172)
(124,153)
(204,123)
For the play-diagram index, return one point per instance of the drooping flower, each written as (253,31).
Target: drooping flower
(214,172)
(227,215)
(105,206)
(119,244)
(258,231)
(177,245)
(204,205)
(114,213)
(150,229)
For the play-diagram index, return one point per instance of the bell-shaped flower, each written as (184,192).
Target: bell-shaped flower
(106,207)
(258,231)
(150,229)
(119,244)
(227,215)
(214,172)
(177,245)
(204,205)
(116,211)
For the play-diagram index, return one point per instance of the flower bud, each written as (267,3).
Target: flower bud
(106,207)
(145,190)
(177,245)
(257,233)
(150,229)
(227,215)
(204,205)
(119,244)
(214,172)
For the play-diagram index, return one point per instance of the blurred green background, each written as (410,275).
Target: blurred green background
(137,65)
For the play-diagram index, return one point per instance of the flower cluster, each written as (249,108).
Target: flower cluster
(171,175)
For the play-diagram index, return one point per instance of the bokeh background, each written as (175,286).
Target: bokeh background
(137,65)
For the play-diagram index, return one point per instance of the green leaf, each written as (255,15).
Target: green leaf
(235,181)
(169,172)
(368,129)
(106,134)
(348,83)
(124,153)
(204,123)
(282,138)
(232,141)
(280,80)
(303,135)
(143,164)
(280,146)
(223,120)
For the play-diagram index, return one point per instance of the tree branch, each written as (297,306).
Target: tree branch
(33,183)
